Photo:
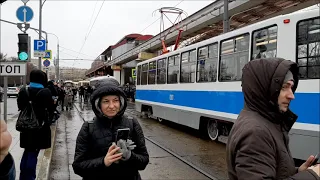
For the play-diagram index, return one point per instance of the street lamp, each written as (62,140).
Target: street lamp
(5,78)
(57,65)
(40,26)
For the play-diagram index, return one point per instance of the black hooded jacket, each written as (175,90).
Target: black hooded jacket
(52,88)
(43,107)
(93,142)
(258,144)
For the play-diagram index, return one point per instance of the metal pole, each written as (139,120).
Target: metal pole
(40,28)
(2,57)
(47,49)
(0,28)
(58,70)
(5,98)
(29,52)
(226,26)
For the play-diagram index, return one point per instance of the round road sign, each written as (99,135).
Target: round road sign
(46,63)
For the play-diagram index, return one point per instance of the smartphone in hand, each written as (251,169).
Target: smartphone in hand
(122,134)
(315,160)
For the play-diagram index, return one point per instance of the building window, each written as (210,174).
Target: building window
(264,43)
(308,48)
(234,55)
(152,72)
(138,75)
(173,69)
(144,74)
(207,63)
(161,71)
(188,66)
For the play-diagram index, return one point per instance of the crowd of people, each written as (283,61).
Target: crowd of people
(257,148)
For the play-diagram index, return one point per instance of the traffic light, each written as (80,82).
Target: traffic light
(23,47)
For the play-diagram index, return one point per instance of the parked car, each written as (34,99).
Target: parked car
(12,91)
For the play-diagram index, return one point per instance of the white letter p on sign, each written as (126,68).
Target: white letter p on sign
(39,44)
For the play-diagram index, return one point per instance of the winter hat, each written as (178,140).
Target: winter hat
(288,77)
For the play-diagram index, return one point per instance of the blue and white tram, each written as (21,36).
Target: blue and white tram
(94,82)
(199,85)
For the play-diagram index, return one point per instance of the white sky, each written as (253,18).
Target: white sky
(71,21)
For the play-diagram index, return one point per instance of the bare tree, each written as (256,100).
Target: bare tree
(14,59)
(3,57)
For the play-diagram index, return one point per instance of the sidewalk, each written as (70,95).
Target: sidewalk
(44,158)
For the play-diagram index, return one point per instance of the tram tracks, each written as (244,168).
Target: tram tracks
(183,160)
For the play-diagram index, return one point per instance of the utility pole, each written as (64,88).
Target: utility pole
(58,60)
(226,26)
(40,28)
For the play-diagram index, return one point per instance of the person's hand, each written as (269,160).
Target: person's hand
(316,169)
(126,147)
(306,164)
(112,156)
(5,140)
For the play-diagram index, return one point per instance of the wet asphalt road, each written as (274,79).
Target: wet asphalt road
(205,154)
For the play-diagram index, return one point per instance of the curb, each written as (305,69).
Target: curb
(45,159)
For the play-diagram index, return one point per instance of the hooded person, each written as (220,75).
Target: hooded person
(97,154)
(258,144)
(33,141)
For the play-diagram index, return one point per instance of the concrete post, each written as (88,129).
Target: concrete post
(117,75)
(122,77)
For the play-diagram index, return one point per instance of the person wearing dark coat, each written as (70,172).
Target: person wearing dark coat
(43,106)
(258,144)
(54,93)
(97,154)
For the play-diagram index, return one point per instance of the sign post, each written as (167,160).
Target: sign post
(133,73)
(10,69)
(39,48)
(5,98)
(24,14)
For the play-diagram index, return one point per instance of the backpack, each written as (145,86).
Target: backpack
(130,119)
(27,120)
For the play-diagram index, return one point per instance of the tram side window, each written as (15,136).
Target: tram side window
(264,43)
(234,55)
(144,74)
(188,66)
(173,69)
(308,48)
(207,63)
(138,75)
(161,71)
(152,73)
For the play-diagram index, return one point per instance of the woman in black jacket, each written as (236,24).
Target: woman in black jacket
(34,140)
(97,155)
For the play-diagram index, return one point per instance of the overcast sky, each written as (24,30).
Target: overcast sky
(72,20)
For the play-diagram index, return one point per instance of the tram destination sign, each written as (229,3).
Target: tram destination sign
(12,69)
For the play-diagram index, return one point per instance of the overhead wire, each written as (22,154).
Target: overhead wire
(96,19)
(153,23)
(75,51)
(91,18)
(88,34)
(157,20)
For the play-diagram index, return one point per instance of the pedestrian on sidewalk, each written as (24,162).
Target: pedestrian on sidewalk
(97,154)
(34,140)
(7,167)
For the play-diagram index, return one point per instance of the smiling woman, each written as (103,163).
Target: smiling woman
(98,154)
